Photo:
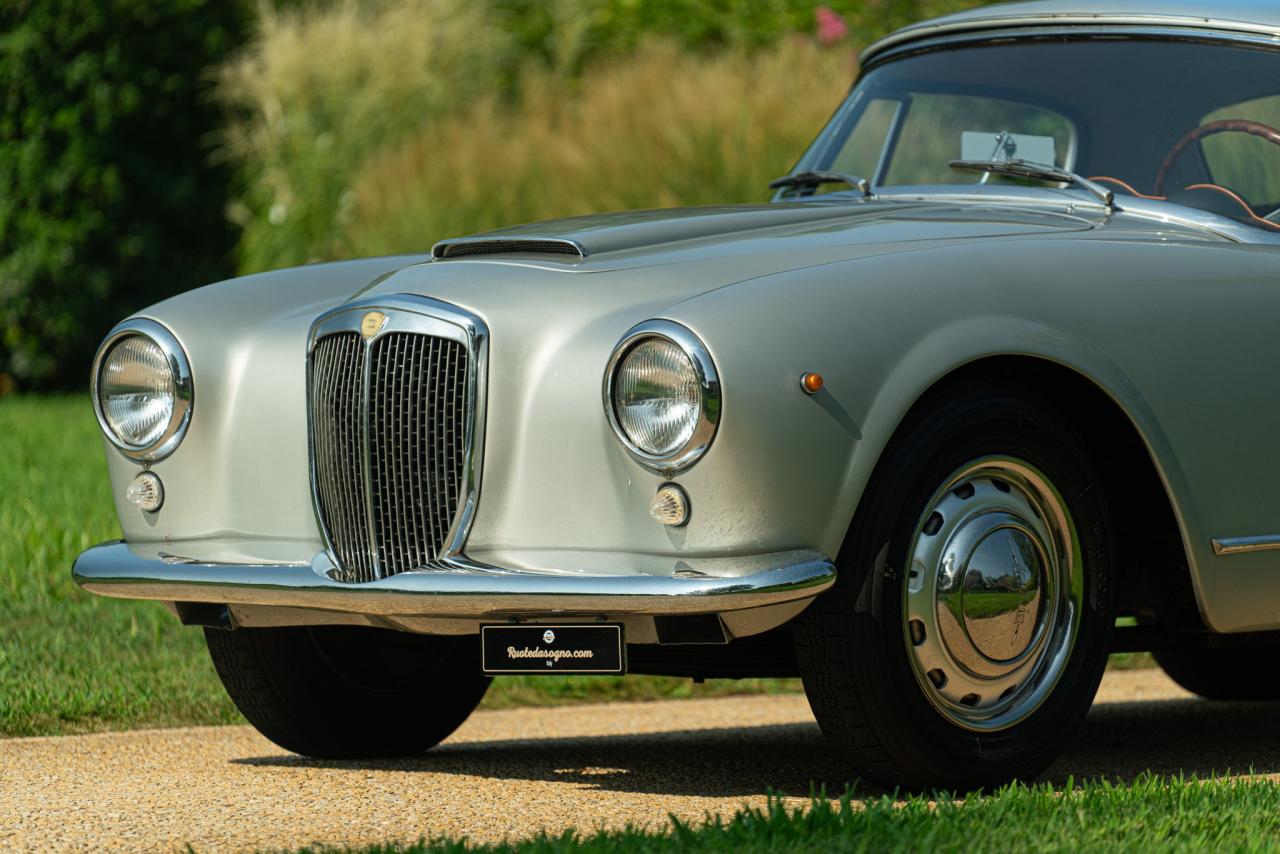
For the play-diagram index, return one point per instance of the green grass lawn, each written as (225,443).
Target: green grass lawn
(71,662)
(1151,814)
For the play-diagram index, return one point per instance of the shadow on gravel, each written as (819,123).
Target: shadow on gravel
(1119,742)
(1122,740)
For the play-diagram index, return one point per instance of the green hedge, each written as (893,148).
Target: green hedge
(117,164)
(109,200)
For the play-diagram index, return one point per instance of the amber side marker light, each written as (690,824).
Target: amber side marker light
(811,383)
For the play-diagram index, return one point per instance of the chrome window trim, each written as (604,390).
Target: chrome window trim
(709,380)
(422,316)
(184,384)
(1038,26)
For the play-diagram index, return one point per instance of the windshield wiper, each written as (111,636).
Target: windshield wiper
(1038,172)
(816,178)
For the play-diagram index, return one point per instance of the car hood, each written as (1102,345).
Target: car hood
(633,238)
(653,258)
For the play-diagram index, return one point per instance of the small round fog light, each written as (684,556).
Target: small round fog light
(670,506)
(146,492)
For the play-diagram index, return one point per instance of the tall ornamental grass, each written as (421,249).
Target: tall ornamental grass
(661,128)
(380,125)
(321,88)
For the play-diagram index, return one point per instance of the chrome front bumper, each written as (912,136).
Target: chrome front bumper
(458,598)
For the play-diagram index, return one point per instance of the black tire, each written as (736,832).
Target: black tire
(1222,674)
(339,692)
(850,644)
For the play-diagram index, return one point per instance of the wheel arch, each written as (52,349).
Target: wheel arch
(1157,581)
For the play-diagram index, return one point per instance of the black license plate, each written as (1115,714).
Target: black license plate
(595,648)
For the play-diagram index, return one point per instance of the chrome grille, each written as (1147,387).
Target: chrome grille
(389,439)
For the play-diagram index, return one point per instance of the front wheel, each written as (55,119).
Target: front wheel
(338,692)
(969,626)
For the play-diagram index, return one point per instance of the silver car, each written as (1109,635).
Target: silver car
(992,370)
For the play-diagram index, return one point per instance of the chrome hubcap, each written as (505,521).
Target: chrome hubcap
(993,595)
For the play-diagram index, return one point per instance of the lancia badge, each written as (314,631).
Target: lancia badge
(549,636)
(371,324)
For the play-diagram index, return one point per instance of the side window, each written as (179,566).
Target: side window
(1246,164)
(935,128)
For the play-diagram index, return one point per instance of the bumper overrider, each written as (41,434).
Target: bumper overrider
(748,594)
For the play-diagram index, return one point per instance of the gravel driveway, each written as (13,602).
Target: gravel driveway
(509,773)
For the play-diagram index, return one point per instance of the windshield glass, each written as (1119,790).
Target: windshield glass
(1197,124)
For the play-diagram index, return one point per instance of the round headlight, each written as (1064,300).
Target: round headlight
(142,390)
(662,395)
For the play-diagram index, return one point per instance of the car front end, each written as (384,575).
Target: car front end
(872,437)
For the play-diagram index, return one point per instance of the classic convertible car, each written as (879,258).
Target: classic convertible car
(991,371)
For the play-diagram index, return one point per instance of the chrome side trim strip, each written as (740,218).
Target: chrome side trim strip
(1246,545)
(466,591)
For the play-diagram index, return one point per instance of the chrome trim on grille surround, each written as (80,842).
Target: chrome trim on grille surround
(407,313)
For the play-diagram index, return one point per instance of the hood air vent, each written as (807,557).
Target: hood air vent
(471,247)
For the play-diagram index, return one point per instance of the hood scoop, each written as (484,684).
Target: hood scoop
(470,247)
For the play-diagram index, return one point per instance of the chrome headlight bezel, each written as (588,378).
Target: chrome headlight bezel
(708,421)
(184,388)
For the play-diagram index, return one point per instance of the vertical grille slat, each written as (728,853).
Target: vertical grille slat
(437,445)
(415,419)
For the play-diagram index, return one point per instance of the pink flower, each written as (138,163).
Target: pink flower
(831,27)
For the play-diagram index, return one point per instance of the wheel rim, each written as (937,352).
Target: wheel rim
(993,593)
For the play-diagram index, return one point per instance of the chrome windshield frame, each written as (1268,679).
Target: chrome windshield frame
(1003,30)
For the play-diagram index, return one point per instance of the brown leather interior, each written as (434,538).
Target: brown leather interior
(1235,197)
(1252,128)
(1128,188)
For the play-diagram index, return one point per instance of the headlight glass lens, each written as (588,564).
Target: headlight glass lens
(658,396)
(137,391)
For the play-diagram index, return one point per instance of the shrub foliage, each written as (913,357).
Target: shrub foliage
(108,200)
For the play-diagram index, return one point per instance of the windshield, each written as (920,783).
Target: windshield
(1197,124)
